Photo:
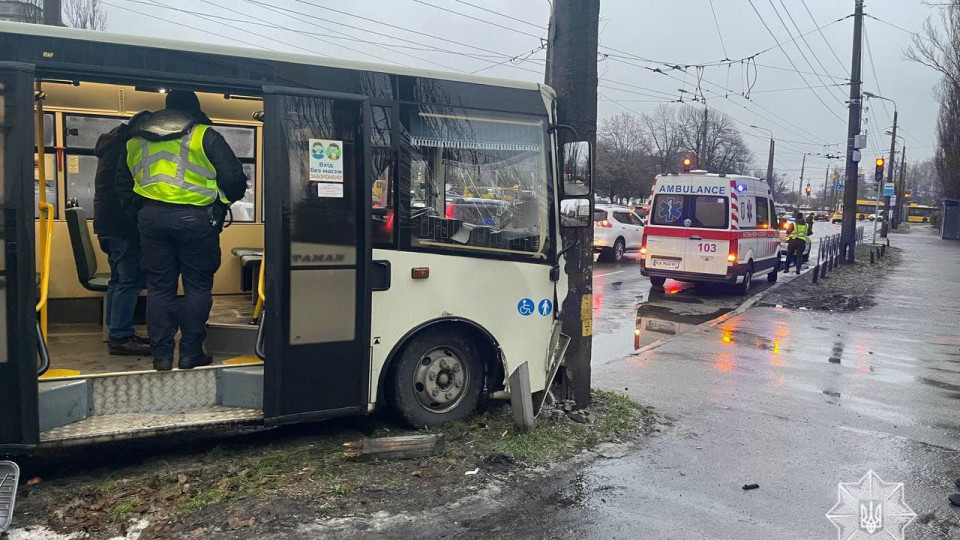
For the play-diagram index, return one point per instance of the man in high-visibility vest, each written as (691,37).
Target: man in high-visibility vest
(796,242)
(178,177)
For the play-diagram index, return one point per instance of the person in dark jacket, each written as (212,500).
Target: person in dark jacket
(179,176)
(120,240)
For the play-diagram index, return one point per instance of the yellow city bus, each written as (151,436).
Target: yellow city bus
(921,213)
(867,209)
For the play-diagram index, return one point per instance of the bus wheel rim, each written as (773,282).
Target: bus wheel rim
(441,379)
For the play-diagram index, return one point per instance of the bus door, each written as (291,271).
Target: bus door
(19,424)
(317,183)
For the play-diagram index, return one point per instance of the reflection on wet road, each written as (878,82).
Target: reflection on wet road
(795,401)
(628,314)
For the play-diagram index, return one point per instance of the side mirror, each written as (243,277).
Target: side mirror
(576,213)
(577,169)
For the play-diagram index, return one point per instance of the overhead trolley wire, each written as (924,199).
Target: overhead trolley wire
(770,31)
(805,42)
(825,40)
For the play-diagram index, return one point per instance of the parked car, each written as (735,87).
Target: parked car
(821,215)
(616,229)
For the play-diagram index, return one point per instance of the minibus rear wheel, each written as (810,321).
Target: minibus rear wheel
(438,378)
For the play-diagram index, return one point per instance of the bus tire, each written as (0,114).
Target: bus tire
(437,379)
(657,282)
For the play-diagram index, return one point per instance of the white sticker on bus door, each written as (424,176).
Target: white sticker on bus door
(326,160)
(334,191)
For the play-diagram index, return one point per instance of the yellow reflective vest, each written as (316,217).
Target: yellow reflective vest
(175,171)
(799,231)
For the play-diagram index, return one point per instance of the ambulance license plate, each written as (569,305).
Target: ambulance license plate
(658,262)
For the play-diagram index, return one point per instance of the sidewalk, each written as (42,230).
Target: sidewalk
(795,401)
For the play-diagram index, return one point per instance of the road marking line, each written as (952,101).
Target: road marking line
(609,273)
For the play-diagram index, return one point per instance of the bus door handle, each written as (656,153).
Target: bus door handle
(43,352)
(258,348)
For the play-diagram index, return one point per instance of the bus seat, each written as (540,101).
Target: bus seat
(83,251)
(250,260)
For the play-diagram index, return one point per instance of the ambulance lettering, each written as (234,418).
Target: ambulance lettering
(692,190)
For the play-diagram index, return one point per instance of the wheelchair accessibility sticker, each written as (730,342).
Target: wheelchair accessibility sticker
(525,307)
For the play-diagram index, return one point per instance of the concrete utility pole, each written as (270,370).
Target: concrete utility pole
(886,198)
(848,230)
(571,70)
(52,13)
(902,204)
(803,166)
(773,147)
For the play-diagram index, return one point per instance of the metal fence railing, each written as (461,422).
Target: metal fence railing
(830,254)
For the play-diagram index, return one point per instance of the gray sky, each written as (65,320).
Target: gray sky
(635,34)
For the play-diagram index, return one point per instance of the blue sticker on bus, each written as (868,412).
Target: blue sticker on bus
(525,307)
(545,307)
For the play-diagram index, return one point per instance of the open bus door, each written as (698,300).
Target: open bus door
(19,424)
(317,178)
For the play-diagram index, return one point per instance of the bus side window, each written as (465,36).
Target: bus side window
(382,184)
(50,167)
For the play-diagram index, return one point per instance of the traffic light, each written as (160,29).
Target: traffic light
(878,175)
(687,163)
(809,190)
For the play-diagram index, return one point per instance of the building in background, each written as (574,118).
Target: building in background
(31,11)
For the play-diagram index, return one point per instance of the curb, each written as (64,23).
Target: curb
(747,304)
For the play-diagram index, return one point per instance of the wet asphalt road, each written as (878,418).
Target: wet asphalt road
(796,401)
(628,315)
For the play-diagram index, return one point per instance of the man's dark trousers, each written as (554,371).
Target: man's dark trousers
(795,249)
(126,282)
(178,242)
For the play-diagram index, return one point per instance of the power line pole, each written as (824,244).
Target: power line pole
(571,70)
(848,230)
(886,198)
(902,205)
(803,165)
(770,181)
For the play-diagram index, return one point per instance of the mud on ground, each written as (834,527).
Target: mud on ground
(248,485)
(846,288)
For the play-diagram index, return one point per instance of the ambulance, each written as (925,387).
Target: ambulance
(706,227)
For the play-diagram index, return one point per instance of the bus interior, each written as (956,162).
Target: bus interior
(75,114)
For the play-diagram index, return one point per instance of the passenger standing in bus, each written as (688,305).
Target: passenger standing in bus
(179,176)
(120,240)
(796,242)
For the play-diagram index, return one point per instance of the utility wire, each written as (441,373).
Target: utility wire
(185,25)
(873,68)
(797,88)
(825,40)
(481,8)
(807,43)
(716,22)
(484,21)
(770,31)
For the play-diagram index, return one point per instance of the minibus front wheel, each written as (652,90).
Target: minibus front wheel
(437,379)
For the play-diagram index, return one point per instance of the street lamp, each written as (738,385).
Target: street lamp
(769,158)
(886,198)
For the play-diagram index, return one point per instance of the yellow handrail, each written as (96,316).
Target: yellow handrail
(261,293)
(45,211)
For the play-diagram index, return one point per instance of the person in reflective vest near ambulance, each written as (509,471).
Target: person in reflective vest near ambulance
(178,176)
(797,239)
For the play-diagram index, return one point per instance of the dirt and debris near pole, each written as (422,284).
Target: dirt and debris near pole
(846,288)
(254,484)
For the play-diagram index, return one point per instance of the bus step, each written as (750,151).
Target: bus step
(231,339)
(128,425)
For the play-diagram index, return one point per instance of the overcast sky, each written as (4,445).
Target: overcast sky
(636,34)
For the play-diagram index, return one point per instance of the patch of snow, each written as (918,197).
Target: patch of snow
(40,533)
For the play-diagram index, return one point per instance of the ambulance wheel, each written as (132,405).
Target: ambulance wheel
(657,282)
(773,275)
(437,379)
(744,288)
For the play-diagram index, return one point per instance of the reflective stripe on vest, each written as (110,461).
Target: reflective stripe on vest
(176,171)
(799,231)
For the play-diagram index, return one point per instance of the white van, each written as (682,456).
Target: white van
(710,227)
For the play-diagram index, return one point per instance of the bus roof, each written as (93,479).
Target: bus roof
(249,52)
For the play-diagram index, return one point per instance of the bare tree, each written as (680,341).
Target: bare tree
(86,14)
(713,138)
(938,47)
(660,129)
(621,153)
